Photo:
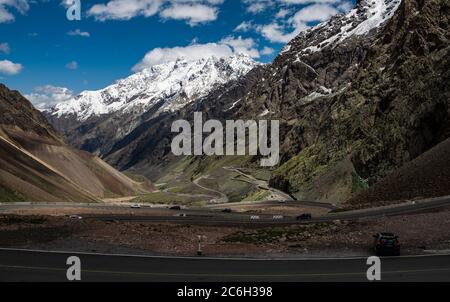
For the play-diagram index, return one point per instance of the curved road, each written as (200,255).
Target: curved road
(23,265)
(223,197)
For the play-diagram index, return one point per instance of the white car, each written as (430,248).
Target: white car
(76,217)
(181,215)
(136,206)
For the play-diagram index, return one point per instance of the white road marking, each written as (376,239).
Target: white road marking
(220,258)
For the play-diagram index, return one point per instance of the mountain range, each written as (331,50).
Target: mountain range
(354,104)
(96,120)
(360,98)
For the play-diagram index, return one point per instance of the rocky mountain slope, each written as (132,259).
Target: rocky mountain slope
(358,97)
(394,108)
(95,120)
(36,165)
(426,176)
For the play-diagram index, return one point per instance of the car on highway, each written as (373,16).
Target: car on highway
(227,211)
(181,215)
(386,244)
(136,206)
(175,208)
(304,217)
(76,217)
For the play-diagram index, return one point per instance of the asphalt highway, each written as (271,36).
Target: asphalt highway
(216,217)
(23,265)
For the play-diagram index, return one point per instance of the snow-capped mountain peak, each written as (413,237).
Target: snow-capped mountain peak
(175,83)
(365,17)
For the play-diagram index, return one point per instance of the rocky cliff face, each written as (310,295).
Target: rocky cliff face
(394,108)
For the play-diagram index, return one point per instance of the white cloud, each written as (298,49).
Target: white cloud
(288,26)
(193,12)
(224,48)
(45,97)
(267,51)
(240,45)
(275,33)
(10,68)
(78,32)
(258,6)
(4,47)
(191,52)
(6,6)
(282,13)
(315,12)
(73,65)
(245,26)
(125,9)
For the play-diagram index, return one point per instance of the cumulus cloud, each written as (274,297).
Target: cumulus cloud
(315,12)
(258,6)
(45,97)
(240,45)
(224,48)
(10,68)
(275,33)
(7,7)
(192,52)
(245,26)
(290,21)
(192,12)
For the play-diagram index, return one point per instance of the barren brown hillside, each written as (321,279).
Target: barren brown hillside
(36,165)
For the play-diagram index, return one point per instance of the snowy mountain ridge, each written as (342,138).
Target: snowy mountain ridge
(365,17)
(176,83)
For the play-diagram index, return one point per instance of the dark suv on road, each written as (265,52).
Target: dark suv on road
(386,244)
(304,217)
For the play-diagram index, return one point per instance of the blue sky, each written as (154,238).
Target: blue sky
(49,58)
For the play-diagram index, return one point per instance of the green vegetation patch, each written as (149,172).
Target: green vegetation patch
(358,183)
(258,195)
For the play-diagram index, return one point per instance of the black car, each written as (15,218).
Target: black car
(303,217)
(176,208)
(227,211)
(386,244)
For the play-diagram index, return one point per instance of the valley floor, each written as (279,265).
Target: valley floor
(419,233)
